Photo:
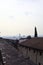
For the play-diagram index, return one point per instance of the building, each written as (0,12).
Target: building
(32,49)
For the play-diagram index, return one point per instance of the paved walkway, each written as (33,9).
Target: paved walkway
(12,57)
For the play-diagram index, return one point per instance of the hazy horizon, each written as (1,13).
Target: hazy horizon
(21,16)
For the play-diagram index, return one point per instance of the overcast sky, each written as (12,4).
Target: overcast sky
(21,16)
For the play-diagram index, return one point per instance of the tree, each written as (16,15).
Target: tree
(35,32)
(29,37)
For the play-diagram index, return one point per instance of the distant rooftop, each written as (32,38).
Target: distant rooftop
(36,43)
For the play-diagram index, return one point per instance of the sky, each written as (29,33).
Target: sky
(21,17)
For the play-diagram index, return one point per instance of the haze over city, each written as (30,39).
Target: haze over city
(21,16)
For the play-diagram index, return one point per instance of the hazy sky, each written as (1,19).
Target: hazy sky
(21,16)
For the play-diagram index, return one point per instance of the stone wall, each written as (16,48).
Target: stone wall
(34,55)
